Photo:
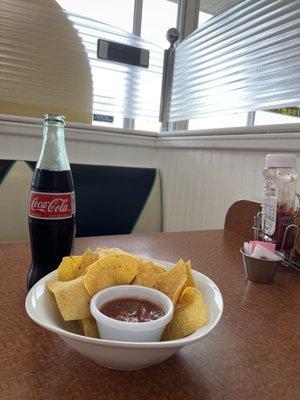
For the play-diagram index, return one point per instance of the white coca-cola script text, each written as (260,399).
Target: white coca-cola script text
(57,205)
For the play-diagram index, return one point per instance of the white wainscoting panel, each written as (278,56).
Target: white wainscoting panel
(22,141)
(202,175)
(199,185)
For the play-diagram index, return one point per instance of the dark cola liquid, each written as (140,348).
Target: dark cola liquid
(50,239)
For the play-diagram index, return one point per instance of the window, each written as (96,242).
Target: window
(215,7)
(112,12)
(131,96)
(158,16)
(203,17)
(219,121)
(201,93)
(122,91)
(273,118)
(209,8)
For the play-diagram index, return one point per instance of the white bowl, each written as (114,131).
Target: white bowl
(113,329)
(41,308)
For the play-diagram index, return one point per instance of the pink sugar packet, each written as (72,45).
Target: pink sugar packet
(267,245)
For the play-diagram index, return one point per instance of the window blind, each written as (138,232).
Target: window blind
(120,89)
(244,59)
(214,7)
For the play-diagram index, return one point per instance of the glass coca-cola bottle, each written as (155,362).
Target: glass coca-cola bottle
(51,215)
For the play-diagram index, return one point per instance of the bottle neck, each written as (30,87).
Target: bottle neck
(53,155)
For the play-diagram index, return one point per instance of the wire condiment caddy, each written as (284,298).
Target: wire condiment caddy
(291,231)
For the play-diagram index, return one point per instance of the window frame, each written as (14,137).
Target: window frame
(129,123)
(187,22)
(188,15)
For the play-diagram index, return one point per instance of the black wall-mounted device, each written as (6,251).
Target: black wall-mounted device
(122,53)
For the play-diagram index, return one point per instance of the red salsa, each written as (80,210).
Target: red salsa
(132,310)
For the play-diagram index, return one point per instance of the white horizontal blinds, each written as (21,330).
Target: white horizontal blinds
(245,59)
(214,7)
(121,89)
(43,64)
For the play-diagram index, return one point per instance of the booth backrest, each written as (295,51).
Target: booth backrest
(109,200)
(239,217)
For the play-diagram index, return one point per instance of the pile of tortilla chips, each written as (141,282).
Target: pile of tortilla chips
(80,277)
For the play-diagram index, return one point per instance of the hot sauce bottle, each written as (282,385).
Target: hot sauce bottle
(279,193)
(296,254)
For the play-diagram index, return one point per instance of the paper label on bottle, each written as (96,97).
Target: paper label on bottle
(269,208)
(51,205)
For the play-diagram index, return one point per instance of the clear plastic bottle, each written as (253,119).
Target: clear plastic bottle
(280,177)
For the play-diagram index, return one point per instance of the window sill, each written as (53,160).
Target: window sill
(32,127)
(264,138)
(259,138)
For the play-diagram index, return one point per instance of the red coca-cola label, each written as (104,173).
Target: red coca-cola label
(51,205)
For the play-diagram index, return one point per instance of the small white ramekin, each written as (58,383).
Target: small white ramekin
(112,329)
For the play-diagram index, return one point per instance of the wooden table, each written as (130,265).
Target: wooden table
(250,355)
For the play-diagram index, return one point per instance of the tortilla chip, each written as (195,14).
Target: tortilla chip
(89,327)
(148,274)
(104,251)
(74,266)
(88,259)
(190,280)
(189,315)
(111,270)
(172,283)
(68,268)
(157,268)
(72,298)
(152,267)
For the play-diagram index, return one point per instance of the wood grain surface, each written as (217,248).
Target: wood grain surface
(239,217)
(252,354)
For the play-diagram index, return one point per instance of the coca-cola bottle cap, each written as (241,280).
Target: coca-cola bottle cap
(280,161)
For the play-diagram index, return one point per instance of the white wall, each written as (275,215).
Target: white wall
(201,175)
(200,185)
(85,144)
(22,141)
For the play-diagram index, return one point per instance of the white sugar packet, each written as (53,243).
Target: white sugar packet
(261,252)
